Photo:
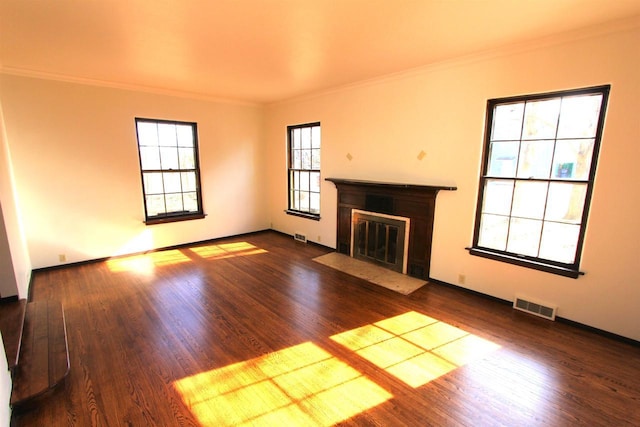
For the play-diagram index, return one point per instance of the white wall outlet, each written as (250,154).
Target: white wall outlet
(62,258)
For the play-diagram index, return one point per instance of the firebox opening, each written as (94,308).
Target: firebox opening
(380,238)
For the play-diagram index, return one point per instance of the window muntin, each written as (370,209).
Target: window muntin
(169,168)
(538,172)
(304,169)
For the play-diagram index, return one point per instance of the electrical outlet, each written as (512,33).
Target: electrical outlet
(462,279)
(62,258)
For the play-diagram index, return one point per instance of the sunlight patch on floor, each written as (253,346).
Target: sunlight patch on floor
(227,250)
(300,385)
(415,348)
(146,263)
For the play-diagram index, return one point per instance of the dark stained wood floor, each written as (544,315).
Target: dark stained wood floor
(251,330)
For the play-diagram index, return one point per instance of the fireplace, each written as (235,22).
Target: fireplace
(387,202)
(381,239)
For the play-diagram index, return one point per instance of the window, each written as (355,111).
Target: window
(537,177)
(169,168)
(304,170)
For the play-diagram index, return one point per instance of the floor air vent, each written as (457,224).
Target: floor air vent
(300,237)
(535,307)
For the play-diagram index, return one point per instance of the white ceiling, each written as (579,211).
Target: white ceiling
(269,50)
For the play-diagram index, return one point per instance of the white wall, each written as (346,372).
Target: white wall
(15,265)
(384,124)
(5,389)
(74,152)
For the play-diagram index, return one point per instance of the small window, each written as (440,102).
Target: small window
(170,171)
(304,170)
(538,171)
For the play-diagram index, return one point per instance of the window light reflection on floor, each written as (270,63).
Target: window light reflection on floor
(299,385)
(415,348)
(227,250)
(146,263)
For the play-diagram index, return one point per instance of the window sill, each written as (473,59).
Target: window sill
(541,266)
(167,219)
(303,215)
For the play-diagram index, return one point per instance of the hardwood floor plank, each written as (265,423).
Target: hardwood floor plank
(246,330)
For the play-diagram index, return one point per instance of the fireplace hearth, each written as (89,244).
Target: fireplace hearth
(387,201)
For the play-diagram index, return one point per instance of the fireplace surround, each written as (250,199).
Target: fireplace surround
(380,238)
(412,201)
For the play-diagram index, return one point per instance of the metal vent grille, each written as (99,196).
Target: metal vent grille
(300,237)
(537,308)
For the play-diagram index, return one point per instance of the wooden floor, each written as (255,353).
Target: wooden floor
(251,331)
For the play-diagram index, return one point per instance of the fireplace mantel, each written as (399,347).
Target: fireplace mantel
(413,201)
(390,185)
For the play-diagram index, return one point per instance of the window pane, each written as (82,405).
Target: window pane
(186,158)
(314,203)
(541,119)
(535,159)
(304,181)
(315,159)
(529,199)
(167,134)
(304,201)
(188,181)
(497,196)
(524,236)
(174,203)
(153,184)
(155,205)
(150,158)
(172,182)
(185,135)
(566,202)
(503,158)
(190,201)
(579,116)
(507,122)
(147,134)
(559,242)
(295,200)
(169,157)
(306,137)
(315,137)
(493,232)
(314,181)
(572,159)
(296,138)
(296,180)
(297,159)
(306,159)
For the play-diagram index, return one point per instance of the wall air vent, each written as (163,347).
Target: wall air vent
(534,307)
(300,237)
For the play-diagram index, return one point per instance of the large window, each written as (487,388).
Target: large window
(537,177)
(170,172)
(304,170)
